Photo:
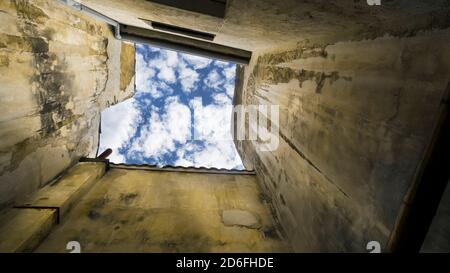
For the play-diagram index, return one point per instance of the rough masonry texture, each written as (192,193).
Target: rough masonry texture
(58,70)
(358,88)
(139,210)
(355,118)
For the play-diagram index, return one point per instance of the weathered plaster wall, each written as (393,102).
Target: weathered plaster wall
(58,70)
(169,211)
(358,87)
(355,117)
(23,227)
(264,24)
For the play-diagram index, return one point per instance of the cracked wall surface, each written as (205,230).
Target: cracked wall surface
(355,117)
(58,70)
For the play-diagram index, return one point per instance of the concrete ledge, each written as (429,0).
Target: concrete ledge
(25,229)
(63,194)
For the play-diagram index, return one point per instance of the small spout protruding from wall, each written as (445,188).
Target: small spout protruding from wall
(105,154)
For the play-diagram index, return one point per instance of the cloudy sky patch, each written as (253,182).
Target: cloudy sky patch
(180,114)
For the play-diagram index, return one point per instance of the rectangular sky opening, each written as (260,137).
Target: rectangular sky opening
(180,114)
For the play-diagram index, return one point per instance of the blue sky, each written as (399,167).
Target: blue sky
(180,114)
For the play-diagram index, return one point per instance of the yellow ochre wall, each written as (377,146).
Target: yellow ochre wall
(169,211)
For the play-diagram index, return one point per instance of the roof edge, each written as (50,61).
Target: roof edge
(170,168)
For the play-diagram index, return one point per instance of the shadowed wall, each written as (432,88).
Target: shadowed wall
(58,70)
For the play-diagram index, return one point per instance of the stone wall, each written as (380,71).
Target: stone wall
(358,89)
(140,209)
(355,117)
(58,70)
(264,24)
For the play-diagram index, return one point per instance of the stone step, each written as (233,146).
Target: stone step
(23,227)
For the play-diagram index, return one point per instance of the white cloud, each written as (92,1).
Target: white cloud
(147,48)
(220,154)
(217,81)
(164,131)
(221,98)
(229,89)
(167,74)
(159,89)
(213,145)
(221,63)
(211,122)
(229,72)
(165,64)
(212,125)
(213,80)
(143,74)
(230,75)
(196,61)
(119,123)
(171,57)
(187,77)
(168,131)
(172,66)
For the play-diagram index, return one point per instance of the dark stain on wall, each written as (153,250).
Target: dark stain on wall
(128,198)
(26,44)
(303,50)
(93,215)
(4,61)
(51,79)
(28,11)
(274,74)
